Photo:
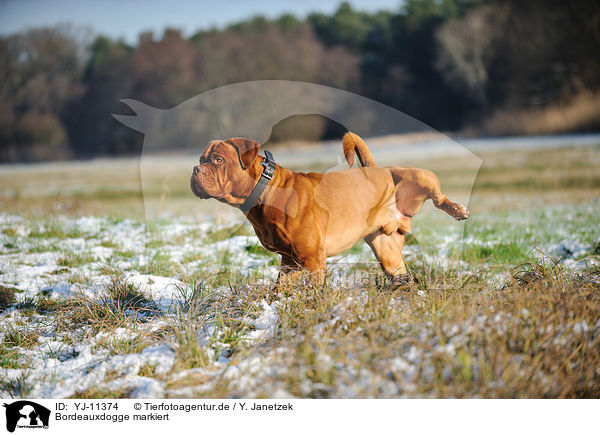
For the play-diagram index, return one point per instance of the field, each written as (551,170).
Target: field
(105,295)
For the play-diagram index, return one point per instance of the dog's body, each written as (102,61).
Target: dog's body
(309,217)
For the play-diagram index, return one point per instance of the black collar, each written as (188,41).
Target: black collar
(269,166)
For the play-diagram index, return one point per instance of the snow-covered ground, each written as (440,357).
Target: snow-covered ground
(58,258)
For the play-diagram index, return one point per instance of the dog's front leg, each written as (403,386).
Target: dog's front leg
(316,265)
(289,272)
(388,251)
(292,272)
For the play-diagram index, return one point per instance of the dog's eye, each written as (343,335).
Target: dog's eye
(218,160)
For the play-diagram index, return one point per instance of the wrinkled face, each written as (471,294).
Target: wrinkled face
(225,171)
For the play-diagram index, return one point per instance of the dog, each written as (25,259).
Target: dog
(307,217)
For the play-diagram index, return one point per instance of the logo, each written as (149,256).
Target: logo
(26,414)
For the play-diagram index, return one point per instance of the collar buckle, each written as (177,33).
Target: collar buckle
(269,166)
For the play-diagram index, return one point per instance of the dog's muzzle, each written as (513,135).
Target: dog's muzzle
(196,187)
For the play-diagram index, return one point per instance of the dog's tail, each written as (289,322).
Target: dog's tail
(353,143)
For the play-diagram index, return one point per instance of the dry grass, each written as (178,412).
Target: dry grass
(450,334)
(19,335)
(7,296)
(100,393)
(580,113)
(122,305)
(536,338)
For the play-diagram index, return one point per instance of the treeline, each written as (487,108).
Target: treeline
(458,65)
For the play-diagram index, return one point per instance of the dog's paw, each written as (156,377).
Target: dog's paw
(400,282)
(454,209)
(461,212)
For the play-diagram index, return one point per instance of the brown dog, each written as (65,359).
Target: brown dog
(307,217)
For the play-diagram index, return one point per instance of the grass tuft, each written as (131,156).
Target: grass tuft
(7,296)
(16,336)
(17,387)
(75,260)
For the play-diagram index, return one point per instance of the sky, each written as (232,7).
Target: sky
(127,18)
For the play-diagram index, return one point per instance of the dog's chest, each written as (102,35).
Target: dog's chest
(271,236)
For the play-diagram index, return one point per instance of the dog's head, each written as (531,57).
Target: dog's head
(226,170)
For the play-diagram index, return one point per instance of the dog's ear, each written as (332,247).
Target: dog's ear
(247,150)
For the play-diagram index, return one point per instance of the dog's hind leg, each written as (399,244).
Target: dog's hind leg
(441,201)
(454,209)
(414,186)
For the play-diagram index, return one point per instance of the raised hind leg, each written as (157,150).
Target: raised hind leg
(454,209)
(414,186)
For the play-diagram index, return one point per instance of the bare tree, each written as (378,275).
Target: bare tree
(467,48)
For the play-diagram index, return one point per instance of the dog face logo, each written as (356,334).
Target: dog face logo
(26,414)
